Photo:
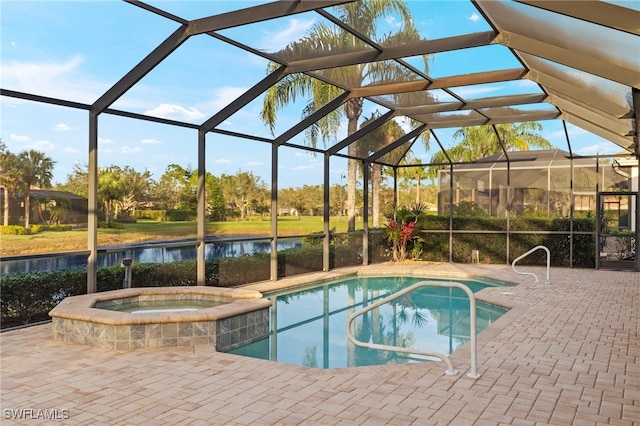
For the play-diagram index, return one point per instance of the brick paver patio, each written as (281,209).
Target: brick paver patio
(566,353)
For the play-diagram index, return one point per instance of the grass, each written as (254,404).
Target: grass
(147,230)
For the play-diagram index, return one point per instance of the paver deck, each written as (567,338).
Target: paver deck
(566,353)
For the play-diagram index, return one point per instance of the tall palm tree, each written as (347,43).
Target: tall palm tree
(36,169)
(9,178)
(481,141)
(365,16)
(369,144)
(111,188)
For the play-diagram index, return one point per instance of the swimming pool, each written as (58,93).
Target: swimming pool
(308,325)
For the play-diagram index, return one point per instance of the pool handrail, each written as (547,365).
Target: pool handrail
(472,312)
(513,264)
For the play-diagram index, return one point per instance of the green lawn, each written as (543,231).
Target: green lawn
(146,230)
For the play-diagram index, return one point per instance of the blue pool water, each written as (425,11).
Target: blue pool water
(308,325)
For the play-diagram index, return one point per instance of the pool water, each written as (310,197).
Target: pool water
(161,306)
(308,325)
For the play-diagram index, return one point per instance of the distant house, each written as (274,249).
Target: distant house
(46,205)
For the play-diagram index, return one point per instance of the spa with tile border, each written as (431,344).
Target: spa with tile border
(240,316)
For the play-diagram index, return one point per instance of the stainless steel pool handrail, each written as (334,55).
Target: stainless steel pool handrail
(513,264)
(450,370)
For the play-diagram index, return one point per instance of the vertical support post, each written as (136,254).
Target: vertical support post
(509,199)
(635,96)
(598,214)
(92,210)
(365,213)
(326,241)
(450,212)
(201,210)
(572,205)
(396,198)
(273,268)
(273,328)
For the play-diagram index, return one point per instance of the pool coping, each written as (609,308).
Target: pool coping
(82,307)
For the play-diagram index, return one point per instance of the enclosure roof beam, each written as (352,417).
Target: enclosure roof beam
(570,58)
(163,50)
(372,125)
(439,83)
(393,52)
(309,120)
(578,94)
(258,13)
(244,99)
(494,102)
(43,99)
(396,144)
(596,12)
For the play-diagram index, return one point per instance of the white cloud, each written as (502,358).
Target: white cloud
(129,150)
(43,145)
(71,150)
(150,141)
(600,148)
(61,127)
(277,40)
(102,141)
(222,161)
(222,97)
(175,112)
(56,79)
(474,17)
(20,138)
(393,22)
(309,166)
(466,92)
(253,163)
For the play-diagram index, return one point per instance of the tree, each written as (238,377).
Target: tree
(111,187)
(36,169)
(416,172)
(364,15)
(481,141)
(77,181)
(242,190)
(369,144)
(136,189)
(9,178)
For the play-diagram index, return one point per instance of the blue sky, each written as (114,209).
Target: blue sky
(76,50)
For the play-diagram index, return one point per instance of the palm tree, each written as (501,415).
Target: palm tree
(111,188)
(370,143)
(9,178)
(481,141)
(36,169)
(365,16)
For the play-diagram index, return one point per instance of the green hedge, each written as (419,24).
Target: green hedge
(28,297)
(33,229)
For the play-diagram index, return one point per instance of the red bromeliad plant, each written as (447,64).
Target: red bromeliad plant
(399,233)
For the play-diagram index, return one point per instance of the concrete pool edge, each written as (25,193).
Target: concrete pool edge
(242,319)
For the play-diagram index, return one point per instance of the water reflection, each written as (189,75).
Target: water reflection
(308,327)
(148,253)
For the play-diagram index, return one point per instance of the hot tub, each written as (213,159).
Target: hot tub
(165,316)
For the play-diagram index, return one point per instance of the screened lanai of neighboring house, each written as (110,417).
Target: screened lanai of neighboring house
(574,63)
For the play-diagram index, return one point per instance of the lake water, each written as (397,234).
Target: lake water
(147,253)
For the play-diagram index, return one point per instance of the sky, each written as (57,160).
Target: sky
(76,50)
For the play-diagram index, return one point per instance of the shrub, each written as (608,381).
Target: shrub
(59,228)
(180,215)
(111,225)
(13,230)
